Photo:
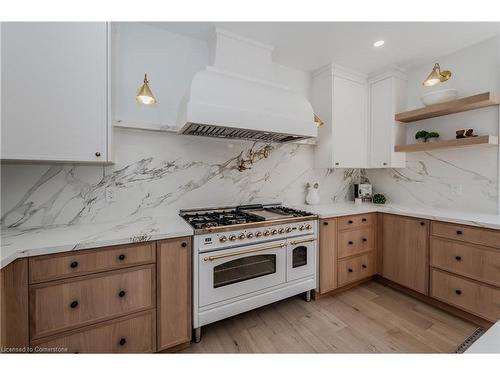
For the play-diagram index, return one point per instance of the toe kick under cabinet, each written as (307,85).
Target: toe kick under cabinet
(122,299)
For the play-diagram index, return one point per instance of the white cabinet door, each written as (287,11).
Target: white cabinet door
(349,124)
(55,91)
(387,96)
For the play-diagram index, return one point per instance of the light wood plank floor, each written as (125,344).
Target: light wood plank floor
(370,318)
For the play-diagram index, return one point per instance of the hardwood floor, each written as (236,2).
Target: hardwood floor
(370,318)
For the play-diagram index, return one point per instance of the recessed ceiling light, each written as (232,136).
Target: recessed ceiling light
(378,43)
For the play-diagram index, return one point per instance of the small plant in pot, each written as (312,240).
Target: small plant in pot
(432,136)
(421,136)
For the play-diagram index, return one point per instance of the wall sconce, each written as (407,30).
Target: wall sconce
(437,76)
(144,94)
(319,122)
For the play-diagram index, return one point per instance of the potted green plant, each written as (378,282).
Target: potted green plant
(432,136)
(421,136)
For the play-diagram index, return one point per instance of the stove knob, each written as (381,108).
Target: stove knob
(223,239)
(308,226)
(241,236)
(232,238)
(281,231)
(266,232)
(301,227)
(288,229)
(249,235)
(274,231)
(258,234)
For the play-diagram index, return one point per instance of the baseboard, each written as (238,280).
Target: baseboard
(316,295)
(176,348)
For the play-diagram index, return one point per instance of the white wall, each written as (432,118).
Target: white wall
(431,178)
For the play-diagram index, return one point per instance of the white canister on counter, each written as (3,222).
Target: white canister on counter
(312,196)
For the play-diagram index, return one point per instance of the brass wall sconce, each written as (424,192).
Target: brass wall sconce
(253,157)
(437,76)
(144,94)
(319,122)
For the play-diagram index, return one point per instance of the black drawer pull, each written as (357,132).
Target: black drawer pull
(121,294)
(184,244)
(458,257)
(350,221)
(363,265)
(73,304)
(74,264)
(459,232)
(325,223)
(350,242)
(422,223)
(350,270)
(364,240)
(121,256)
(363,219)
(458,291)
(123,341)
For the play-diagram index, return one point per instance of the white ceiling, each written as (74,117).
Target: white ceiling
(310,45)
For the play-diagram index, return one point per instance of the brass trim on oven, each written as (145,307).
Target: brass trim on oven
(302,241)
(253,250)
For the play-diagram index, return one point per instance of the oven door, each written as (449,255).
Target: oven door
(301,258)
(232,273)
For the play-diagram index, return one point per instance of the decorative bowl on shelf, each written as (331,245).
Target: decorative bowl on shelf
(440,96)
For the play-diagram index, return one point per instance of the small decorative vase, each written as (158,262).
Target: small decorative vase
(433,139)
(312,196)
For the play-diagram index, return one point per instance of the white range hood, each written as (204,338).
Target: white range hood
(236,97)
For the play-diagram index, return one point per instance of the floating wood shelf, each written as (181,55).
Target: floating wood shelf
(469,103)
(484,140)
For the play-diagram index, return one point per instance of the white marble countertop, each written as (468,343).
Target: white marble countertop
(459,217)
(17,243)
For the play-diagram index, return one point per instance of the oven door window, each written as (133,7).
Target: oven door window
(242,269)
(299,256)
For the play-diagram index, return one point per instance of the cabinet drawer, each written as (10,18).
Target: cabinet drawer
(353,269)
(63,305)
(77,263)
(457,232)
(477,262)
(356,241)
(349,222)
(476,298)
(131,334)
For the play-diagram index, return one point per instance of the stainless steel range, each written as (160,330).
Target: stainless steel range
(249,256)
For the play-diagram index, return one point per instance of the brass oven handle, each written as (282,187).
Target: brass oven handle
(302,241)
(214,257)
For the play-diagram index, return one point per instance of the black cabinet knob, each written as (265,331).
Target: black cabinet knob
(458,291)
(459,232)
(73,304)
(97,154)
(121,256)
(458,257)
(325,223)
(350,242)
(422,223)
(363,265)
(121,294)
(184,244)
(364,240)
(363,219)
(350,221)
(74,264)
(123,341)
(350,270)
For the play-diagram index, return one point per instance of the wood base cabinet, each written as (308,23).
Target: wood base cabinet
(174,264)
(405,251)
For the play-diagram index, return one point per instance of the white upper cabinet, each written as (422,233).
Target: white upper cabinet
(387,97)
(339,98)
(55,95)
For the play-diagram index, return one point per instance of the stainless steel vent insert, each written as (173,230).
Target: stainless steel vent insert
(215,131)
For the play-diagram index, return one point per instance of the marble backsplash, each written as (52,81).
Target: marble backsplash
(159,173)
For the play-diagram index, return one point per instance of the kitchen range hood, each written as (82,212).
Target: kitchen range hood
(236,97)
